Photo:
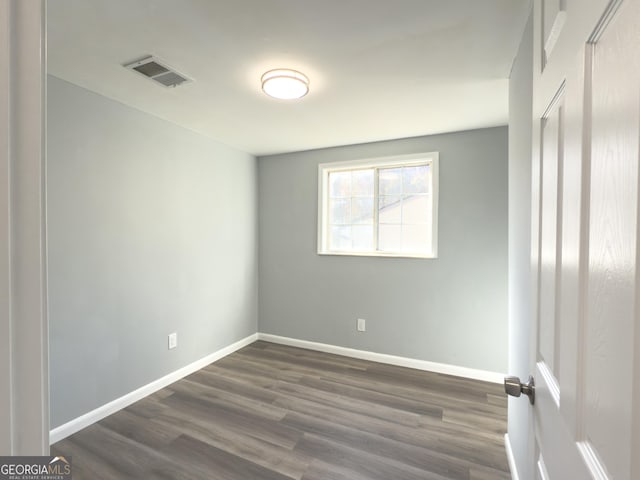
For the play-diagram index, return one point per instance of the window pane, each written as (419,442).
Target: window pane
(378,208)
(362,237)
(415,179)
(362,183)
(416,209)
(362,211)
(415,238)
(340,184)
(340,238)
(389,200)
(390,238)
(390,181)
(340,211)
(390,209)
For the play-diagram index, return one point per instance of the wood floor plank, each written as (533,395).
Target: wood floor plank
(364,463)
(369,408)
(499,399)
(130,458)
(419,457)
(234,385)
(358,393)
(236,441)
(274,412)
(228,400)
(320,470)
(86,464)
(212,462)
(252,369)
(149,406)
(436,394)
(247,423)
(139,429)
(302,358)
(478,473)
(473,419)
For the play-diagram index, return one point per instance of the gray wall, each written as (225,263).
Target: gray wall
(151,229)
(520,113)
(451,310)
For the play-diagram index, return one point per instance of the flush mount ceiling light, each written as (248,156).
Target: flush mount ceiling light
(285,84)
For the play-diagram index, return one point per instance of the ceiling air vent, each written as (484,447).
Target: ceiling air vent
(158,71)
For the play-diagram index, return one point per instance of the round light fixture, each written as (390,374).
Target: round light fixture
(285,84)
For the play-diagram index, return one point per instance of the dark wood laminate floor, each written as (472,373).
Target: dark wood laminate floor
(272,412)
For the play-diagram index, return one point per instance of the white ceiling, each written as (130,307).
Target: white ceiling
(379,69)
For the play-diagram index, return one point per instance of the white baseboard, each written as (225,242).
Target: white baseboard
(466,372)
(511,458)
(99,413)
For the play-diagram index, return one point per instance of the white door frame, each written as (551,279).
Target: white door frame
(24,357)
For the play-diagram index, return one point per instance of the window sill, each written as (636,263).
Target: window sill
(381,254)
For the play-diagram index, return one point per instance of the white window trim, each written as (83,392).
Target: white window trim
(397,160)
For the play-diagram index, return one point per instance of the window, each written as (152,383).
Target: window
(381,207)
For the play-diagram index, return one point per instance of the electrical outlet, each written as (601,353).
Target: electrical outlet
(362,325)
(173,340)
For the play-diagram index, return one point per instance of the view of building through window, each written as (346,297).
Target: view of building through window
(381,209)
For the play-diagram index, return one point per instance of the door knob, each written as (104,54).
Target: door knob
(513,387)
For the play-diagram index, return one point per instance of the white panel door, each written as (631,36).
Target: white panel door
(585,239)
